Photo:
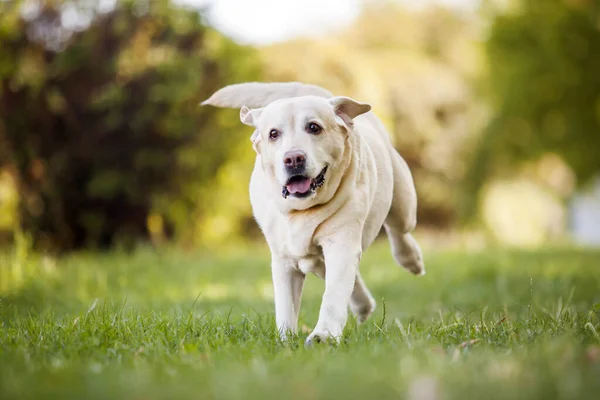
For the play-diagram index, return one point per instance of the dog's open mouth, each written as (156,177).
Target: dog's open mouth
(303,186)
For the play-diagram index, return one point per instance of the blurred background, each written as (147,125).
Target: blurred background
(495,105)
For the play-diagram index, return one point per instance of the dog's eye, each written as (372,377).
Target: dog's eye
(313,128)
(274,134)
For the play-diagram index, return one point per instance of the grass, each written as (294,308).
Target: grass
(173,325)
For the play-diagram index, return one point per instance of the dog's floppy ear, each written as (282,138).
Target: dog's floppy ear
(250,117)
(346,109)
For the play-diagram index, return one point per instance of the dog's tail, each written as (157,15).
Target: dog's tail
(258,94)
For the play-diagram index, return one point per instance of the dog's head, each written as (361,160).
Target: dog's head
(301,141)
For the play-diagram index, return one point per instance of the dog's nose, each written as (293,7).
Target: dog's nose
(294,159)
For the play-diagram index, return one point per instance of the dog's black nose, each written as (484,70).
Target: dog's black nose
(294,160)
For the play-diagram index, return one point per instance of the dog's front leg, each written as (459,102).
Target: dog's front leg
(288,282)
(342,256)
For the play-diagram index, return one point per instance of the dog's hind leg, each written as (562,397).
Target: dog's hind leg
(406,252)
(362,303)
(402,218)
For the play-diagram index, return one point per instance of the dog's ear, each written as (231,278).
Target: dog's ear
(250,117)
(346,109)
(255,139)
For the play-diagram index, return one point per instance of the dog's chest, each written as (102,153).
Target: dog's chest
(300,246)
(299,239)
(293,237)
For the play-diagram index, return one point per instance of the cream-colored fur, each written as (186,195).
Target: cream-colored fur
(367,185)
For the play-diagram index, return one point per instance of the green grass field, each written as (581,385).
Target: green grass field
(173,325)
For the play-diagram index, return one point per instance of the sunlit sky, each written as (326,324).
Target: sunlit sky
(268,21)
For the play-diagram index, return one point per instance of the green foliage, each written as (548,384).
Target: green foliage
(493,325)
(544,58)
(102,125)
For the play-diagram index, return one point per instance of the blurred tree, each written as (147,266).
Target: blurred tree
(544,80)
(100,118)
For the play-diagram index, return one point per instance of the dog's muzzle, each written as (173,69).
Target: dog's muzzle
(303,186)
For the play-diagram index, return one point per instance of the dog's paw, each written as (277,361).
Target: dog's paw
(416,268)
(412,263)
(320,336)
(362,312)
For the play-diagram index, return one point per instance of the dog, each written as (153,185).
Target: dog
(325,180)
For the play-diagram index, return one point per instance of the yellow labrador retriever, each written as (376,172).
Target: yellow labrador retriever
(325,180)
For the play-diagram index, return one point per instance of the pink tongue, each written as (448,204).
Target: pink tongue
(299,186)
